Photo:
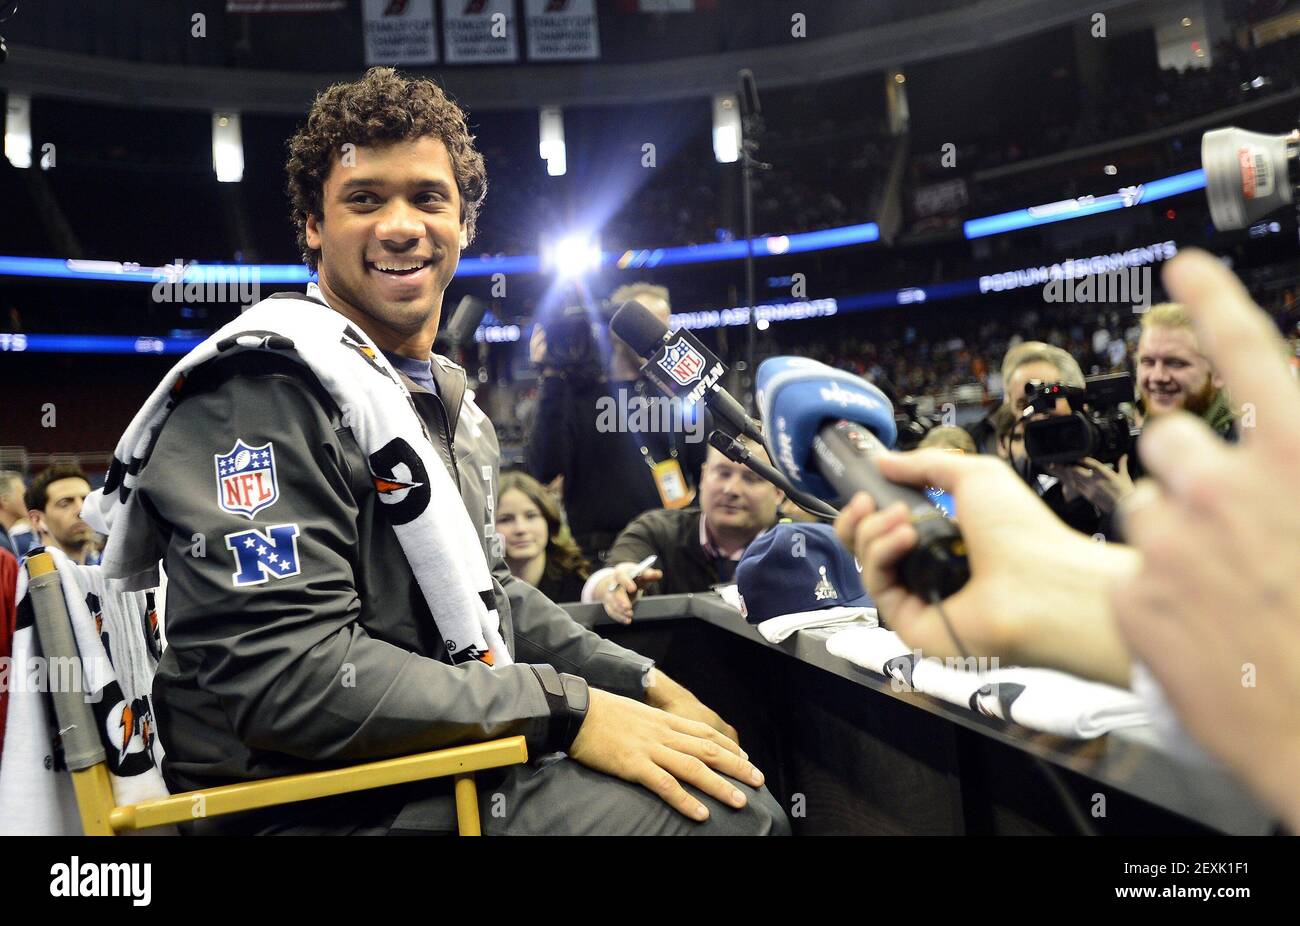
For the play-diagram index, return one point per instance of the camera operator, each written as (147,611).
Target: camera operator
(611,474)
(1082,490)
(1207,586)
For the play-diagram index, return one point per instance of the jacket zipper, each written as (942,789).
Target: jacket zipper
(444,429)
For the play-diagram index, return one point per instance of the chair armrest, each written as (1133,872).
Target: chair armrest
(251,795)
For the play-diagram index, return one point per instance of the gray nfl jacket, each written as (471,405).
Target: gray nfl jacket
(338,660)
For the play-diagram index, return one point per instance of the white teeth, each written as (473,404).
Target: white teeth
(399,265)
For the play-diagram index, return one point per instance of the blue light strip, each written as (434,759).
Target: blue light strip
(637,259)
(126,272)
(772,245)
(1085,205)
(95,344)
(1007,281)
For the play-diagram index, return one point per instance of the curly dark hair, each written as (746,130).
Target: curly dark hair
(383,106)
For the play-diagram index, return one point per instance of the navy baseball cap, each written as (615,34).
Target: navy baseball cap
(798,567)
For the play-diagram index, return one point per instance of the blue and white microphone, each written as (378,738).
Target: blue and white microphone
(823,429)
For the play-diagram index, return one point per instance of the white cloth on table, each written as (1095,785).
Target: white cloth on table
(869,647)
(1056,702)
(777,629)
(956,686)
(1041,699)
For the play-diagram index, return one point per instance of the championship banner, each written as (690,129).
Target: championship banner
(284,6)
(399,31)
(562,30)
(480,30)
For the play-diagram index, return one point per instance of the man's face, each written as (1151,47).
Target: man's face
(61,518)
(11,499)
(1172,374)
(734,498)
(390,240)
(1041,370)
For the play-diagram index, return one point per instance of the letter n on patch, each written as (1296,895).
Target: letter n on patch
(262,555)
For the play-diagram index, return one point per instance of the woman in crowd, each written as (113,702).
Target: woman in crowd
(538,548)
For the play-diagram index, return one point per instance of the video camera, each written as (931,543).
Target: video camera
(1249,175)
(1096,427)
(578,339)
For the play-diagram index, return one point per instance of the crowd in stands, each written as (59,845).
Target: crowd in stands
(1124,108)
(913,357)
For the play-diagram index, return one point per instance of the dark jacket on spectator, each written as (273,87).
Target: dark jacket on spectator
(607,481)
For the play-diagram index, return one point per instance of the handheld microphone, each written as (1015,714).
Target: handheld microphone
(824,429)
(682,367)
(460,328)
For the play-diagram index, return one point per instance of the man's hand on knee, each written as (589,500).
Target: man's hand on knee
(662,752)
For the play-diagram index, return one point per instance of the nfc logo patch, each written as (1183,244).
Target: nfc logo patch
(261,555)
(246,481)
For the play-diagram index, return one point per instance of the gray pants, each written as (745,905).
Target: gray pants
(556,796)
(553,796)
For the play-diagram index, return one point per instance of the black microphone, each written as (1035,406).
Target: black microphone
(682,367)
(460,328)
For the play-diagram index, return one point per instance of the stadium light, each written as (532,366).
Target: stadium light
(227,147)
(572,256)
(18,130)
(550,132)
(726,128)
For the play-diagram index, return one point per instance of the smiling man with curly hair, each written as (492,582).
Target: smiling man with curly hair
(313,634)
(385,187)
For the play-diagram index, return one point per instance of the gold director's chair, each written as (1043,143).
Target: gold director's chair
(84,752)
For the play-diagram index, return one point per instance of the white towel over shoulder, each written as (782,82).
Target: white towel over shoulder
(440,541)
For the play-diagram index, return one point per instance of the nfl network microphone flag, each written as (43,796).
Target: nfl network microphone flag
(684,369)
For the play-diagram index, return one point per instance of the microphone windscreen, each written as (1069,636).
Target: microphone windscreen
(796,396)
(636,325)
(466,319)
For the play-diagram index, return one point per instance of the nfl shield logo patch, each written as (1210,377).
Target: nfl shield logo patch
(246,481)
(682,362)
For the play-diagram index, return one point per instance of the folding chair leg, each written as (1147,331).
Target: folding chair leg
(467,806)
(94,799)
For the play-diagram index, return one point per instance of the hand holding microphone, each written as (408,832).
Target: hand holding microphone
(825,429)
(1038,592)
(1029,590)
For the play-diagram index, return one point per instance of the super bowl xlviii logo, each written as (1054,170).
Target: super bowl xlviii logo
(264,555)
(823,589)
(246,481)
(682,362)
